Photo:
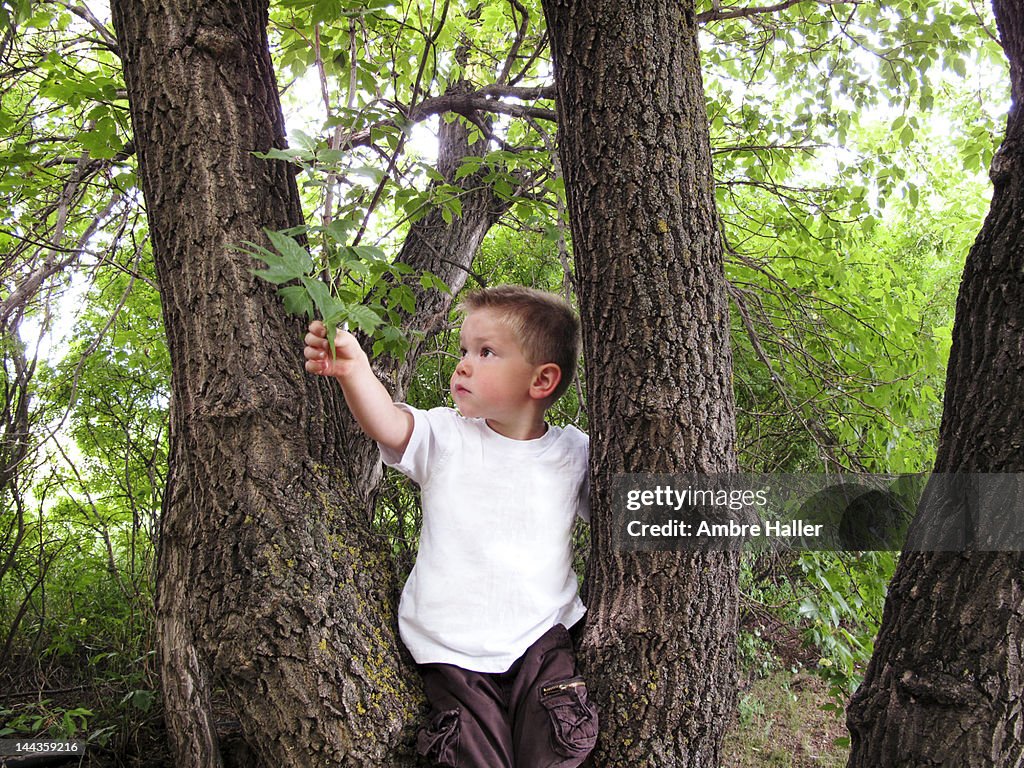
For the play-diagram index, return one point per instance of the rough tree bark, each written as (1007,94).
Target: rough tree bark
(270,584)
(658,648)
(267,580)
(946,686)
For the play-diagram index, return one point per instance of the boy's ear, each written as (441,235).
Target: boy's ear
(545,381)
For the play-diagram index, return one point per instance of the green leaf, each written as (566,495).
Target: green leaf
(404,297)
(361,316)
(503,189)
(277,275)
(525,211)
(433,174)
(331,156)
(294,255)
(455,205)
(297,301)
(304,140)
(338,230)
(368,253)
(297,156)
(375,175)
(430,280)
(102,142)
(469,166)
(326,304)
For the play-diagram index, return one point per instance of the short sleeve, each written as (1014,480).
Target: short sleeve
(434,435)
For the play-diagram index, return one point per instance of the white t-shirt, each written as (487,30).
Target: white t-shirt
(494,568)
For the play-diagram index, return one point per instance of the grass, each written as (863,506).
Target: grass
(781,724)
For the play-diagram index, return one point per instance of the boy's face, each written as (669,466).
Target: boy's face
(493,378)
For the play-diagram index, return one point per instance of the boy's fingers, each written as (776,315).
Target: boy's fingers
(313,353)
(313,340)
(318,365)
(318,328)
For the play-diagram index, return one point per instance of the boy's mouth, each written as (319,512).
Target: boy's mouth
(460,390)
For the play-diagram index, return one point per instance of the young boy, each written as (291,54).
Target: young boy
(486,608)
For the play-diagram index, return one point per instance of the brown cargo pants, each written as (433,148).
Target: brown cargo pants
(534,715)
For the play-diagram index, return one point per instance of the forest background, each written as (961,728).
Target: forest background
(851,144)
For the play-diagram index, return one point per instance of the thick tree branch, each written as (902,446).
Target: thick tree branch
(517,44)
(488,99)
(107,38)
(717,13)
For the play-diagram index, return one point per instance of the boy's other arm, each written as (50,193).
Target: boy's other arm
(369,401)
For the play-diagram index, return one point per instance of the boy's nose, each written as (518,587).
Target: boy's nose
(463,367)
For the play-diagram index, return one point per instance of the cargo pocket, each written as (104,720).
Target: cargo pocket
(573,717)
(439,739)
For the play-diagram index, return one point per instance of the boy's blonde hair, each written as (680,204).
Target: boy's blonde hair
(546,326)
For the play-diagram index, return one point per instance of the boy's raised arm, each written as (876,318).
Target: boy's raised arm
(369,401)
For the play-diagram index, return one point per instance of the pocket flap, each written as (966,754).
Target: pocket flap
(439,739)
(573,717)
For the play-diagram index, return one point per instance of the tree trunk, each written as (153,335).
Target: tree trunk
(658,649)
(945,685)
(270,584)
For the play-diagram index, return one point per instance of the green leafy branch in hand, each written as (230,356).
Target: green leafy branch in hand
(334,289)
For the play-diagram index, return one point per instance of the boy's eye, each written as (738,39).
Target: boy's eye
(486,352)
(462,352)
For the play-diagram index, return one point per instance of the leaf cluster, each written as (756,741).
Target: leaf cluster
(336,288)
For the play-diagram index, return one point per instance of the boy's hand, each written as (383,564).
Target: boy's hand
(348,354)
(367,398)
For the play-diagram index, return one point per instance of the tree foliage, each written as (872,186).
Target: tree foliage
(848,140)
